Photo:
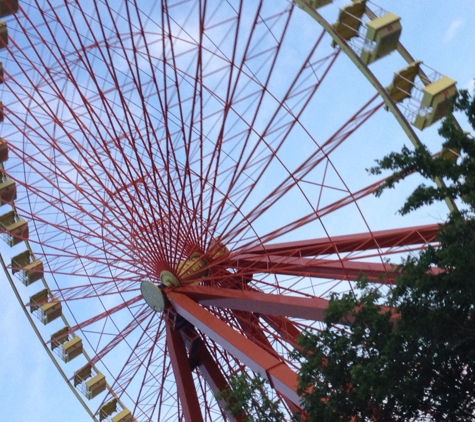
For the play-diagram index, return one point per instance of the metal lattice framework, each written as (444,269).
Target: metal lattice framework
(185,147)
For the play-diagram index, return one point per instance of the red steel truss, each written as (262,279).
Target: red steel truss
(193,139)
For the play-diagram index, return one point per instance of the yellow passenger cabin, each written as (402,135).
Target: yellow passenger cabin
(123,416)
(382,37)
(14,230)
(88,381)
(8,7)
(50,311)
(435,102)
(107,409)
(26,268)
(403,82)
(38,299)
(7,191)
(349,20)
(318,3)
(3,34)
(3,143)
(59,337)
(71,349)
(45,307)
(95,386)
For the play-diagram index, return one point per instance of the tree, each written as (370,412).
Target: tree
(364,366)
(368,365)
(250,398)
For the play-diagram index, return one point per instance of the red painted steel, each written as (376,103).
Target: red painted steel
(102,315)
(140,317)
(183,375)
(214,378)
(261,303)
(279,375)
(324,268)
(286,329)
(135,143)
(353,242)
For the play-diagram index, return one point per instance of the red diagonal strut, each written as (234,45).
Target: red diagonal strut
(183,377)
(280,376)
(261,303)
(312,267)
(214,378)
(100,316)
(350,243)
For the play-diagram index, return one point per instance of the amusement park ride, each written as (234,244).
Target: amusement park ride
(176,213)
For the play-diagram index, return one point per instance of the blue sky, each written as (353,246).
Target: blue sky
(31,388)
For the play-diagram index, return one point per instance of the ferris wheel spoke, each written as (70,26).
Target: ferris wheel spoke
(137,358)
(214,377)
(210,167)
(148,356)
(183,376)
(154,175)
(98,289)
(254,301)
(164,394)
(286,329)
(351,243)
(141,315)
(173,165)
(314,215)
(184,183)
(241,72)
(209,173)
(272,137)
(248,324)
(152,385)
(281,376)
(314,267)
(310,163)
(107,313)
(309,218)
(55,204)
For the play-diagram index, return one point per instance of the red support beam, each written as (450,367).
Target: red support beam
(264,304)
(183,377)
(214,378)
(280,376)
(312,267)
(257,302)
(249,323)
(350,243)
(286,329)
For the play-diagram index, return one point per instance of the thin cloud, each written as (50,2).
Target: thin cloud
(453,28)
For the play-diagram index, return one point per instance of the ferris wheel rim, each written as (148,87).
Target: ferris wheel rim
(261,244)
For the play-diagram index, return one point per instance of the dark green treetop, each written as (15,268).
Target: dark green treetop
(363,366)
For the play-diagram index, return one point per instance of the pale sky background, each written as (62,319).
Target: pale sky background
(441,33)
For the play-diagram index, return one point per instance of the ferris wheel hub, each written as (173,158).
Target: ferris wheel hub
(153,295)
(168,279)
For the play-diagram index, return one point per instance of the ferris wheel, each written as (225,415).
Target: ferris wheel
(178,195)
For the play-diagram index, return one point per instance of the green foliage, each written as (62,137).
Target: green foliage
(335,364)
(363,366)
(250,398)
(459,178)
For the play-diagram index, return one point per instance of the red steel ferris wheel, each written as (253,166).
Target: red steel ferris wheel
(180,194)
